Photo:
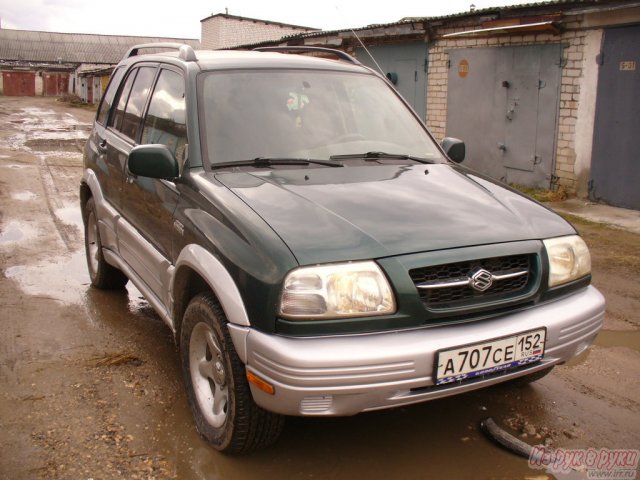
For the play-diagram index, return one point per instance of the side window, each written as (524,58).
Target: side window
(109,95)
(137,99)
(166,121)
(116,118)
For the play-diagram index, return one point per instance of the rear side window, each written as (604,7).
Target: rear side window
(109,95)
(137,99)
(116,118)
(166,121)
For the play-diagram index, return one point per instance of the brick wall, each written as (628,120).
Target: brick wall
(571,85)
(226,31)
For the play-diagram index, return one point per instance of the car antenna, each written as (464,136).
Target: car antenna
(367,50)
(363,45)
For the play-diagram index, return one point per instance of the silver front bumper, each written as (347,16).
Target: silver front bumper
(345,375)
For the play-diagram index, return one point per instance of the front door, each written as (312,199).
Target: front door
(149,203)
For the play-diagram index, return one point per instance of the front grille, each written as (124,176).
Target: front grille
(450,285)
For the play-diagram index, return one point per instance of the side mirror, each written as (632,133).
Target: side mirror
(153,161)
(454,149)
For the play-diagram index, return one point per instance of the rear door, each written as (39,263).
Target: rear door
(96,160)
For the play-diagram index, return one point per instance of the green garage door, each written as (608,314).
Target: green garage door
(406,62)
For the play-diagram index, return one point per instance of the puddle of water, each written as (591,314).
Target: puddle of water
(63,279)
(16,232)
(619,338)
(580,359)
(67,133)
(24,196)
(70,214)
(52,145)
(610,338)
(66,279)
(43,130)
(15,167)
(36,111)
(423,441)
(12,233)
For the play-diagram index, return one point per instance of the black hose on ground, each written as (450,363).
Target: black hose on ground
(505,439)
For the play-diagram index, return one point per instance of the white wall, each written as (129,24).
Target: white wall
(226,32)
(39,83)
(587,111)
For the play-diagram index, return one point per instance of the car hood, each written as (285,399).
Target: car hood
(374,211)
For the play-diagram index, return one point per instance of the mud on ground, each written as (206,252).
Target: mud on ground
(90,385)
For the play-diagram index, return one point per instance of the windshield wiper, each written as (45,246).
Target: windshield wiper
(373,156)
(263,162)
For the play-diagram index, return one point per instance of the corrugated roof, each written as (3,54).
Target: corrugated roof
(509,8)
(475,13)
(32,46)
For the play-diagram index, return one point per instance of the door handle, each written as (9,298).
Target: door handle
(102,146)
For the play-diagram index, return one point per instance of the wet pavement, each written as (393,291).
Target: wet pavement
(90,384)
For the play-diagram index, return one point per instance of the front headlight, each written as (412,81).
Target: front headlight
(569,259)
(336,291)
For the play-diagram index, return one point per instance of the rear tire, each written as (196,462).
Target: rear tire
(103,275)
(217,389)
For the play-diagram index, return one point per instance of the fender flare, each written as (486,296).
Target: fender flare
(90,179)
(218,278)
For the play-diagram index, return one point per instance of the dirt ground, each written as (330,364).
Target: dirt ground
(90,386)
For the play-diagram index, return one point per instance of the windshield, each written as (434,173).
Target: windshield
(306,114)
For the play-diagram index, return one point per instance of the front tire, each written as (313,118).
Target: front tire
(102,274)
(217,389)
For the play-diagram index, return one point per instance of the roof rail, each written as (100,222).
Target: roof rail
(185,52)
(338,53)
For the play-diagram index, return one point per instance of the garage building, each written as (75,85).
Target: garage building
(52,64)
(544,95)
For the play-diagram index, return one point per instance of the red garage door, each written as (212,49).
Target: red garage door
(56,84)
(19,84)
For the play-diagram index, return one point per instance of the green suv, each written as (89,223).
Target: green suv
(312,248)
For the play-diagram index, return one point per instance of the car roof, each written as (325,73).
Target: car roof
(242,59)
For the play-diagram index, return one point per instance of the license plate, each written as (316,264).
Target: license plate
(477,359)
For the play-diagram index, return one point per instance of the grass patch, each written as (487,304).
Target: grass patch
(543,194)
(75,101)
(575,220)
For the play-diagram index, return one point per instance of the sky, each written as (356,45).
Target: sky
(181,18)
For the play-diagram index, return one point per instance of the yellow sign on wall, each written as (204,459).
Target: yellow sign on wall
(628,66)
(463,68)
